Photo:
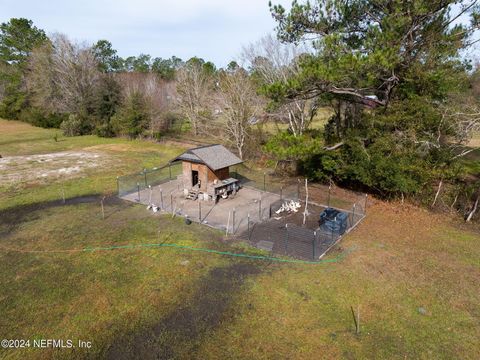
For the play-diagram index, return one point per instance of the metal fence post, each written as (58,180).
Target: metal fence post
(138,191)
(171,201)
(199,211)
(233,221)
(286,239)
(328,201)
(365,207)
(145,176)
(281,192)
(170,171)
(314,245)
(161,199)
(298,189)
(264,186)
(118,186)
(260,208)
(248,226)
(353,215)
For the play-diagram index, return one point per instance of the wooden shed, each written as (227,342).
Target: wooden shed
(205,169)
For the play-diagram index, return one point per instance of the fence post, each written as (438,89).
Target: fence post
(161,199)
(248,226)
(138,191)
(264,187)
(103,210)
(228,224)
(270,211)
(170,171)
(118,186)
(314,245)
(199,211)
(353,215)
(281,192)
(145,176)
(260,208)
(233,221)
(365,207)
(150,195)
(286,239)
(171,201)
(298,189)
(328,201)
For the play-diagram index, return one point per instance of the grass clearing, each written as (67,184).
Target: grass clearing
(414,275)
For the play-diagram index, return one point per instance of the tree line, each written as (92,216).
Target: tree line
(403,98)
(51,81)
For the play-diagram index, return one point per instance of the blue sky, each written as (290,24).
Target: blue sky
(212,29)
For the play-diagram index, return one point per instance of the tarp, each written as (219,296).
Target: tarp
(332,220)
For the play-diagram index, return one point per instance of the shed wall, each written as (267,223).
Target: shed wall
(205,174)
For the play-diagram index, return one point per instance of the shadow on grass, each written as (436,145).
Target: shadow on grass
(11,218)
(180,333)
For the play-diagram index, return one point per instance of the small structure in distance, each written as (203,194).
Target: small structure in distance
(206,172)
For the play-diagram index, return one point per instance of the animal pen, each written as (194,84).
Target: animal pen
(267,212)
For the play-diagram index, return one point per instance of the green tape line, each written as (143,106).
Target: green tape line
(183,247)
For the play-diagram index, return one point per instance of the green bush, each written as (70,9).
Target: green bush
(133,118)
(381,166)
(104,130)
(72,126)
(39,118)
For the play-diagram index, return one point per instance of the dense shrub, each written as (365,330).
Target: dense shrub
(133,118)
(39,118)
(72,126)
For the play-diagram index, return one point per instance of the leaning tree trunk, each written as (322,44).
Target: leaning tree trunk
(474,210)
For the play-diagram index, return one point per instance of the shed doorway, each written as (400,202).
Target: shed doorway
(194,177)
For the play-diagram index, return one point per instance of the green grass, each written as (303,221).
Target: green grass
(126,156)
(318,122)
(187,304)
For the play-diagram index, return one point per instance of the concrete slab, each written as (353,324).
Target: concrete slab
(232,213)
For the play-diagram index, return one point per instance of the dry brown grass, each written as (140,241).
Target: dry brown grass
(402,258)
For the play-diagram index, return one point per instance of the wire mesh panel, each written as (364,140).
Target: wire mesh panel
(272,215)
(299,242)
(148,177)
(298,235)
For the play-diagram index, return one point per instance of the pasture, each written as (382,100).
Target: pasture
(68,273)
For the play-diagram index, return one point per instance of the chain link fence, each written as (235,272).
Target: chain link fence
(300,235)
(280,215)
(137,182)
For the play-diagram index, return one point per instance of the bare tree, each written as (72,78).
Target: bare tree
(64,76)
(193,87)
(76,73)
(41,79)
(241,104)
(274,62)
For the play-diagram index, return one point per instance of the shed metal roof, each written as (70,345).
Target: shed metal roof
(214,156)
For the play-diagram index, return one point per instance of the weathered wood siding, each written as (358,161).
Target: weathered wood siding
(187,174)
(221,174)
(205,174)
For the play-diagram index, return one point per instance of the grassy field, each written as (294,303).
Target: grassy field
(413,275)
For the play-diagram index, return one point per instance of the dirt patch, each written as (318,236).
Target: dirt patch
(180,333)
(66,164)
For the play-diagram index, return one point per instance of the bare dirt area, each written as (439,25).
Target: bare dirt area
(38,168)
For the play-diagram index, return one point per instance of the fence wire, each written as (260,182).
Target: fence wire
(148,177)
(298,234)
(259,219)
